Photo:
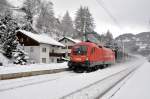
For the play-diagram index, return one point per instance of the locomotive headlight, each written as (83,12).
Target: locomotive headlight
(87,58)
(87,61)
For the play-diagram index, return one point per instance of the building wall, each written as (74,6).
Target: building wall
(44,54)
(53,59)
(37,55)
(49,49)
(53,49)
(33,52)
(35,49)
(67,43)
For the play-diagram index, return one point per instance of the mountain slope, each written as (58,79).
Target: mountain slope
(139,43)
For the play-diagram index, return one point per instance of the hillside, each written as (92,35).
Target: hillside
(139,43)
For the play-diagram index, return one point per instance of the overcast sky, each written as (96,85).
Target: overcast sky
(133,16)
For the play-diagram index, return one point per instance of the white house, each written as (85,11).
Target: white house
(68,42)
(40,47)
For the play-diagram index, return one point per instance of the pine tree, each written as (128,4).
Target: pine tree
(109,36)
(79,22)
(109,39)
(20,56)
(89,21)
(58,32)
(67,25)
(8,27)
(84,22)
(8,40)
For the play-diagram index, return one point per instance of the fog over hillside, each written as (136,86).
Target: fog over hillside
(139,43)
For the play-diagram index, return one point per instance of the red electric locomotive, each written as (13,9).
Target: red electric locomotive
(88,56)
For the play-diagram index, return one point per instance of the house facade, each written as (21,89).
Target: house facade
(69,43)
(40,47)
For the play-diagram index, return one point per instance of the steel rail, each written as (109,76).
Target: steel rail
(125,72)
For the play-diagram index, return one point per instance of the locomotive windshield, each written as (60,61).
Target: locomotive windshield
(80,50)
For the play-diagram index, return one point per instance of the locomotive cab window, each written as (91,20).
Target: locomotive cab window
(80,50)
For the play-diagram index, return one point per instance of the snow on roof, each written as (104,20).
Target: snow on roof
(41,38)
(71,39)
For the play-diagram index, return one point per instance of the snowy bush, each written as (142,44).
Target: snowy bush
(20,57)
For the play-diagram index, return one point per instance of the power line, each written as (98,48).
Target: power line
(101,4)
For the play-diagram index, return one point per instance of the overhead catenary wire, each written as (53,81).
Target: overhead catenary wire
(102,5)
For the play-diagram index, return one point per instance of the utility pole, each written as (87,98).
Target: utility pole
(123,51)
(67,52)
(84,28)
(84,31)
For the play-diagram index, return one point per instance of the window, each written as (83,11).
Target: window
(21,40)
(65,40)
(43,60)
(69,47)
(80,50)
(44,50)
(31,49)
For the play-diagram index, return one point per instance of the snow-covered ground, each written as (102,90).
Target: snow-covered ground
(138,86)
(11,68)
(54,89)
(3,59)
(26,81)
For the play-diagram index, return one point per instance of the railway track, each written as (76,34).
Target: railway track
(70,85)
(11,84)
(98,89)
(30,78)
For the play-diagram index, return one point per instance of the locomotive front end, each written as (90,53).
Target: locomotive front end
(79,57)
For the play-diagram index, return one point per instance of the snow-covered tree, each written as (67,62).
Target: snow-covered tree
(30,8)
(109,39)
(46,20)
(79,22)
(20,56)
(8,40)
(67,25)
(58,32)
(8,27)
(4,5)
(84,22)
(26,25)
(109,36)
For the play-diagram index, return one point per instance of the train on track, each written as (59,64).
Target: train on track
(88,56)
